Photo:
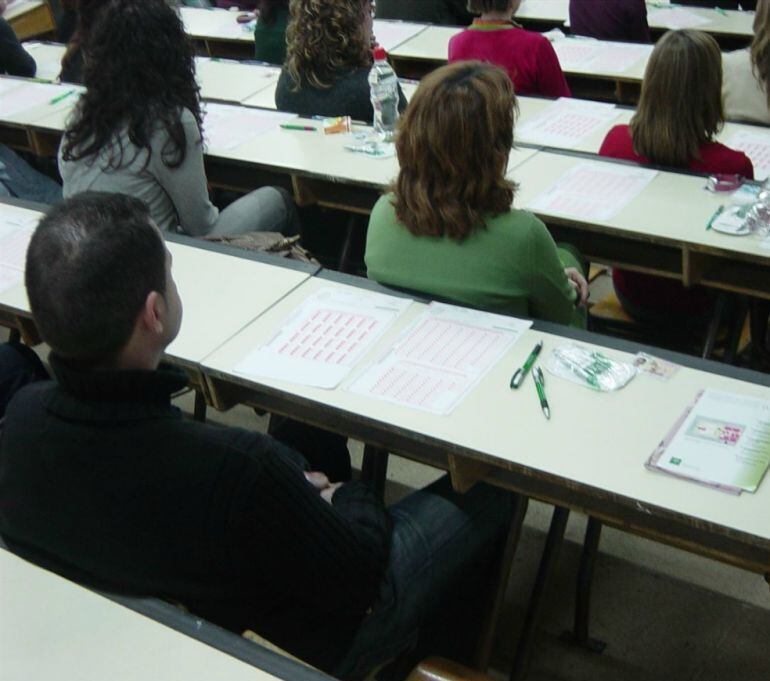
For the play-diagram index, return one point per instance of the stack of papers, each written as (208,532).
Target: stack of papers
(566,122)
(325,336)
(722,441)
(439,358)
(594,56)
(756,145)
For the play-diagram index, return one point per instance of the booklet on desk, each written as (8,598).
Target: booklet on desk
(722,440)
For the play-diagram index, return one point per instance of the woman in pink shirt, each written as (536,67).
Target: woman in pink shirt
(528,57)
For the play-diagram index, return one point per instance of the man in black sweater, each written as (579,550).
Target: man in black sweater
(14,59)
(104,481)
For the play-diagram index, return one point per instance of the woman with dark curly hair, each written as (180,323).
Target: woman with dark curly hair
(448,228)
(72,61)
(328,58)
(137,128)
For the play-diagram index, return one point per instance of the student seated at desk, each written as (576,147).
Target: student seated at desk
(270,31)
(137,128)
(105,482)
(747,74)
(328,58)
(528,57)
(14,59)
(447,228)
(442,12)
(622,20)
(680,112)
(19,366)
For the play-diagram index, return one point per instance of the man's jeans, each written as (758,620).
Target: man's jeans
(443,544)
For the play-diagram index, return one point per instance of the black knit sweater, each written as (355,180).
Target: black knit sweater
(102,480)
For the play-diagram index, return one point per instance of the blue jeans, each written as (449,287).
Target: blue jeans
(444,547)
(20,180)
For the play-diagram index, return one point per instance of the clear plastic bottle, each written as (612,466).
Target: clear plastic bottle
(383,88)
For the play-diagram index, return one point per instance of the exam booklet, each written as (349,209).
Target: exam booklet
(722,440)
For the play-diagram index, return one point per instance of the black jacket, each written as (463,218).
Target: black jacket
(103,481)
(14,59)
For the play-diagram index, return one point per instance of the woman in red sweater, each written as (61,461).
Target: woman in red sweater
(528,57)
(680,112)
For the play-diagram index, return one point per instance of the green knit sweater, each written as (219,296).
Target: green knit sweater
(270,41)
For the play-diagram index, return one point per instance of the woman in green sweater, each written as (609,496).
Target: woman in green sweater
(448,227)
(270,31)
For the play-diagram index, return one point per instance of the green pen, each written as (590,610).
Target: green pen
(61,97)
(720,10)
(518,377)
(718,212)
(540,387)
(307,128)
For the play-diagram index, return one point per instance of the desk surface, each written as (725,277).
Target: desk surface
(52,628)
(597,440)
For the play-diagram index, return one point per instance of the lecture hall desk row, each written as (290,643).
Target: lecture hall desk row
(495,434)
(30,18)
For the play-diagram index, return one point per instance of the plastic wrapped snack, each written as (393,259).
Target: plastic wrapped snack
(589,368)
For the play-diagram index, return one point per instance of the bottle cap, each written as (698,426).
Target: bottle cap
(379,53)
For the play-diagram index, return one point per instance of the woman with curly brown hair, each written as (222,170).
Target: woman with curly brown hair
(328,58)
(448,228)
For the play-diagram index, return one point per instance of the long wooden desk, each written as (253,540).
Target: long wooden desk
(52,628)
(29,18)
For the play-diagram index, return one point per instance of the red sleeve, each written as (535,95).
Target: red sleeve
(748,168)
(550,78)
(616,144)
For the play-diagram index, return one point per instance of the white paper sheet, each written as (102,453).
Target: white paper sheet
(30,95)
(439,358)
(723,441)
(756,145)
(675,18)
(324,337)
(215,23)
(566,122)
(226,126)
(18,7)
(577,54)
(593,191)
(47,57)
(16,229)
(391,34)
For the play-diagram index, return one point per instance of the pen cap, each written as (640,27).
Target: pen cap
(379,53)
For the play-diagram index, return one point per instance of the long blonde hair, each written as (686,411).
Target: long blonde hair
(323,37)
(760,46)
(680,107)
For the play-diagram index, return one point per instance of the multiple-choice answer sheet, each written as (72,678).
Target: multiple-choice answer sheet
(722,440)
(29,95)
(391,34)
(16,229)
(675,18)
(594,56)
(566,122)
(756,146)
(439,358)
(226,126)
(593,191)
(324,337)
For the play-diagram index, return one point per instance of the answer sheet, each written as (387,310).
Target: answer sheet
(675,18)
(30,95)
(566,122)
(756,145)
(391,34)
(226,126)
(325,336)
(439,358)
(594,56)
(16,228)
(722,440)
(593,191)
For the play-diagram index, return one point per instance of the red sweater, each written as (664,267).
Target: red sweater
(665,297)
(528,57)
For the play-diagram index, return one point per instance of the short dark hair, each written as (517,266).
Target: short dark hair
(482,6)
(91,264)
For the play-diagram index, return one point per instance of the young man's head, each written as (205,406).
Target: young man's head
(99,282)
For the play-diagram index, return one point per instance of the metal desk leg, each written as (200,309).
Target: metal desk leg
(199,412)
(579,635)
(716,320)
(547,561)
(374,468)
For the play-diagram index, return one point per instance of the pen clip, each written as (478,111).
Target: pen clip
(517,378)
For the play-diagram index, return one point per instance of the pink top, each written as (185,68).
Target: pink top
(528,57)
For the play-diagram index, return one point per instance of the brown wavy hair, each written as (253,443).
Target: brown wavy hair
(680,107)
(324,37)
(760,46)
(453,145)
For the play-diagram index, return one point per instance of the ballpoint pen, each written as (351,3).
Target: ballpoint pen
(518,377)
(540,387)
(62,97)
(306,128)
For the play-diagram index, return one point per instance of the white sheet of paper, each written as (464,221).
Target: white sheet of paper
(439,358)
(47,57)
(577,54)
(566,122)
(593,191)
(391,34)
(675,18)
(219,23)
(324,337)
(16,229)
(756,145)
(724,440)
(17,7)
(30,95)
(225,126)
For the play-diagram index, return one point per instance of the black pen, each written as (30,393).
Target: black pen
(518,377)
(540,387)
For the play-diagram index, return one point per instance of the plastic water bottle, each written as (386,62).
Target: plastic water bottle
(383,88)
